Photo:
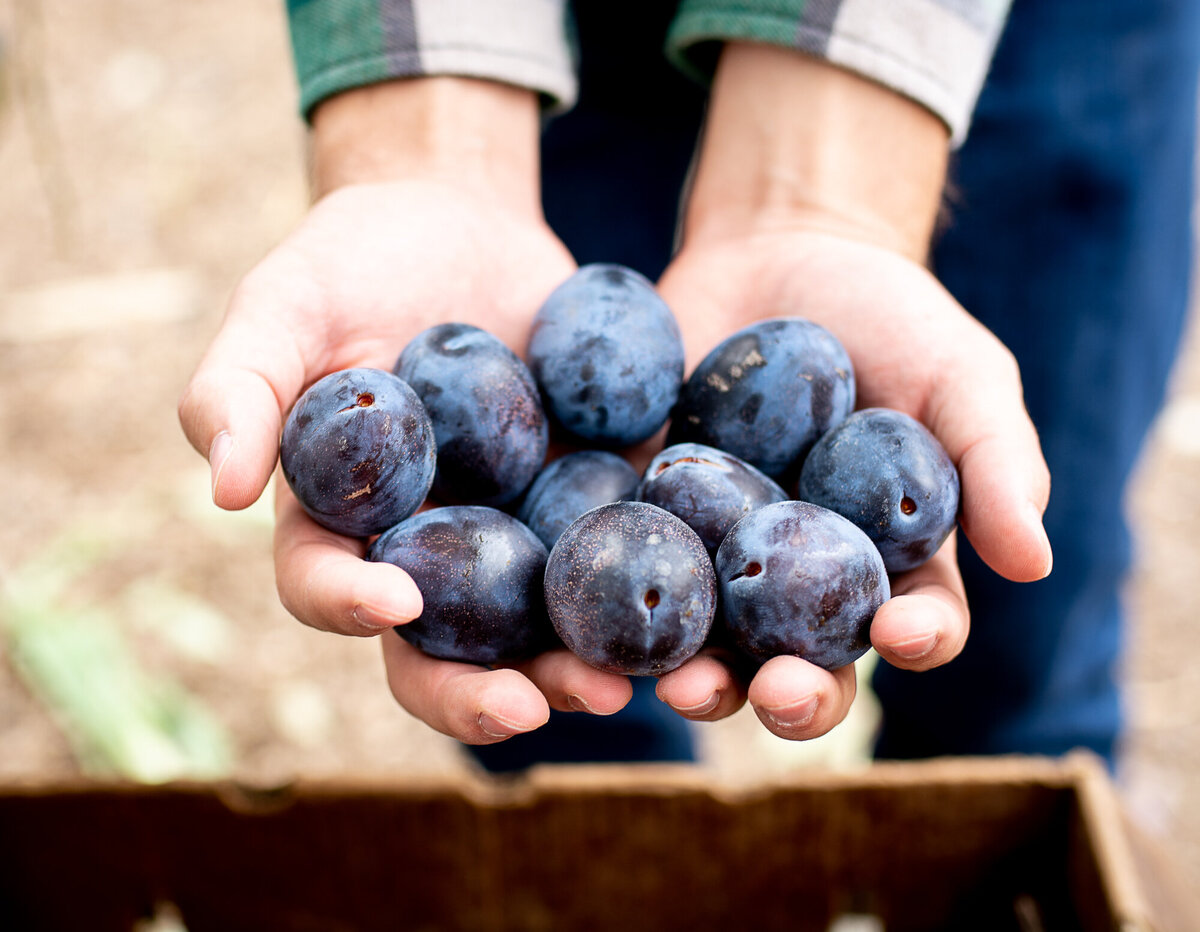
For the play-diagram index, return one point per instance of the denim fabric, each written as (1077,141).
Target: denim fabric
(645,730)
(1071,241)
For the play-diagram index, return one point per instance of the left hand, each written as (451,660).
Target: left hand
(815,196)
(916,350)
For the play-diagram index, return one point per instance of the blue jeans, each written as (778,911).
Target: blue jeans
(1072,243)
(1069,238)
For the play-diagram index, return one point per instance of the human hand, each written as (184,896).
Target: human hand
(915,350)
(378,259)
(839,241)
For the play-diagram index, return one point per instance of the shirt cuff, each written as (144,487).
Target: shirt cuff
(341,44)
(933,51)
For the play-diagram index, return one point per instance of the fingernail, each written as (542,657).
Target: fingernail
(700,708)
(917,646)
(1036,519)
(1049,566)
(374,617)
(218,455)
(495,727)
(793,716)
(579,704)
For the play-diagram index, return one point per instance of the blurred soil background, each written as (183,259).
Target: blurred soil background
(149,155)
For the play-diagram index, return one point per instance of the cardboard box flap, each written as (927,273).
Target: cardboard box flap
(944,844)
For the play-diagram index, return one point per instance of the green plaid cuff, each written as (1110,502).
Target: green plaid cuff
(936,52)
(340,44)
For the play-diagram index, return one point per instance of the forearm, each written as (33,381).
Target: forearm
(794,141)
(481,135)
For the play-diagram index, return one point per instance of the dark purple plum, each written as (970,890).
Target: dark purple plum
(708,489)
(573,484)
(630,589)
(889,475)
(607,354)
(798,579)
(480,572)
(358,451)
(486,412)
(766,393)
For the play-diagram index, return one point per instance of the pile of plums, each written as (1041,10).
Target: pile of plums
(634,574)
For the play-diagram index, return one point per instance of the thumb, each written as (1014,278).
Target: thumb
(700,304)
(232,409)
(980,417)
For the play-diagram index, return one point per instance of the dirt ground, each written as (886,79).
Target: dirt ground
(149,154)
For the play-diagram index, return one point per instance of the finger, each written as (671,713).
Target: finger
(570,685)
(978,414)
(232,408)
(925,623)
(466,702)
(704,689)
(796,700)
(324,581)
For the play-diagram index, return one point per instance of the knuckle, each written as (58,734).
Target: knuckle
(1005,365)
(259,282)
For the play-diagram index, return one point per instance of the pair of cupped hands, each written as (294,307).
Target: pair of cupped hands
(429,213)
(361,277)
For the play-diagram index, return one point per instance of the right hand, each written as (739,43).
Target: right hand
(372,265)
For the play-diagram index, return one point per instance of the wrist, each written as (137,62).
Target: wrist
(473,134)
(793,142)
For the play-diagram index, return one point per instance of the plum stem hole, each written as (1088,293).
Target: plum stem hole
(752,569)
(365,400)
(651,598)
(908,506)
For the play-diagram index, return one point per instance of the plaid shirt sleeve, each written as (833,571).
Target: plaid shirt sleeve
(340,44)
(936,52)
